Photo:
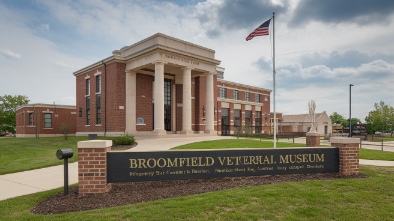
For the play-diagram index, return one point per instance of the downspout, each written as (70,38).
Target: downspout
(105,98)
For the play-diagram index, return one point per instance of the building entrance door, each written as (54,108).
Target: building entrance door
(225,122)
(167,105)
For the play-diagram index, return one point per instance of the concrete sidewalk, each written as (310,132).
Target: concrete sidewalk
(33,181)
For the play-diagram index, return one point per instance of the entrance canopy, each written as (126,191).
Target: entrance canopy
(174,53)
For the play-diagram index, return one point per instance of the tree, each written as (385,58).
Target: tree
(8,106)
(338,119)
(380,119)
(65,129)
(354,121)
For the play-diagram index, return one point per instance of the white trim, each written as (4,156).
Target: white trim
(239,102)
(97,73)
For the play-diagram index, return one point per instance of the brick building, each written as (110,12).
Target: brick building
(45,120)
(301,124)
(120,94)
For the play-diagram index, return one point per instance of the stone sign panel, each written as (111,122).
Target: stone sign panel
(171,165)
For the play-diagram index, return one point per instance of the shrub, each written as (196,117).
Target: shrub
(122,140)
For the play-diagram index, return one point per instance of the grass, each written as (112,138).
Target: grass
(345,199)
(236,143)
(21,154)
(376,154)
(249,143)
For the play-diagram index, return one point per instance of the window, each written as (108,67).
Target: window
(47,120)
(98,83)
(98,109)
(257,122)
(248,115)
(237,118)
(266,98)
(223,92)
(235,94)
(31,122)
(87,87)
(88,110)
(247,96)
(257,98)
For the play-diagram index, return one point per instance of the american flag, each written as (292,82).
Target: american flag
(260,31)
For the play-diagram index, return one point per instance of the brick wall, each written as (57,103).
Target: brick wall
(348,154)
(144,101)
(92,166)
(61,115)
(313,140)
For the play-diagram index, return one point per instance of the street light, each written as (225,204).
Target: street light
(350,110)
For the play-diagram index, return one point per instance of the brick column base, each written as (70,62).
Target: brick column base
(348,154)
(92,166)
(312,139)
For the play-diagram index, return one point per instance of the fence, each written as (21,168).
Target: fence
(373,141)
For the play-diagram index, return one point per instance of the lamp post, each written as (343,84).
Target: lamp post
(350,110)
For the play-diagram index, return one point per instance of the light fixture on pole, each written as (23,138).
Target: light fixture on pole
(350,110)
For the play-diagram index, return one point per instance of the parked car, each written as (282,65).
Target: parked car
(3,134)
(378,133)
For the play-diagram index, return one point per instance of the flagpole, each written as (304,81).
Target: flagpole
(273,72)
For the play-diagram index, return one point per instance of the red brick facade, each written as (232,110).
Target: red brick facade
(243,102)
(92,167)
(348,154)
(312,140)
(42,120)
(113,102)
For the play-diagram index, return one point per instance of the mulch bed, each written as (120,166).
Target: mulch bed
(130,193)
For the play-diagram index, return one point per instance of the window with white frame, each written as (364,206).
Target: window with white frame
(257,98)
(223,92)
(47,120)
(235,94)
(88,110)
(87,87)
(31,121)
(98,108)
(98,83)
(247,96)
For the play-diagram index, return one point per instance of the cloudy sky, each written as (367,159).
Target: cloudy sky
(321,46)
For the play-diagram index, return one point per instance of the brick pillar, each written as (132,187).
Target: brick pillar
(348,154)
(92,166)
(312,139)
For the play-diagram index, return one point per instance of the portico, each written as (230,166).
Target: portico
(175,68)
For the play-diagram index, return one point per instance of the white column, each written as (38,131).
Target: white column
(159,99)
(187,101)
(131,102)
(209,104)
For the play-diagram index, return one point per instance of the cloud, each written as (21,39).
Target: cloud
(43,27)
(361,12)
(217,17)
(62,64)
(10,54)
(296,76)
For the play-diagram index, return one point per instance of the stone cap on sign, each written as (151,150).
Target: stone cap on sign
(95,144)
(344,140)
(313,134)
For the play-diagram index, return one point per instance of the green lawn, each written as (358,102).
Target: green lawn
(346,199)
(20,154)
(249,143)
(236,143)
(369,154)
